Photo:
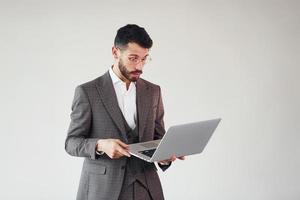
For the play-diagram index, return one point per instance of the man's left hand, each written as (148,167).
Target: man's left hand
(173,158)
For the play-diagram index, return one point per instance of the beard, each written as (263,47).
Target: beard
(131,76)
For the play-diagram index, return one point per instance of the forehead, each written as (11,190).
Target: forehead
(135,49)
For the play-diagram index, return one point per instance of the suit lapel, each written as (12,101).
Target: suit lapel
(108,97)
(143,97)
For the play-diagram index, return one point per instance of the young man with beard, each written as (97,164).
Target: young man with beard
(112,111)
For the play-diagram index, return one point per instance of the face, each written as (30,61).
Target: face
(131,61)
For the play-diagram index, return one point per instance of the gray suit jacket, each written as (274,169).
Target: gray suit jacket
(96,115)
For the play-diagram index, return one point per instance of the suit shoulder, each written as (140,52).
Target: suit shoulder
(149,84)
(90,84)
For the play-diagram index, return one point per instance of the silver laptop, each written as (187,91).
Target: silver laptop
(179,140)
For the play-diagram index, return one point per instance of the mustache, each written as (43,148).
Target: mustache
(137,71)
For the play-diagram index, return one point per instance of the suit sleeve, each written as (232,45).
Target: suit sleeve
(78,142)
(159,119)
(160,126)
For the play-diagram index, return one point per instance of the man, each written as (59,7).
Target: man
(112,111)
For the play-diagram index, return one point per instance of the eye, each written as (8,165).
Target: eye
(133,59)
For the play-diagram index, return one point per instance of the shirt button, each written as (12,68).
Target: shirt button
(123,167)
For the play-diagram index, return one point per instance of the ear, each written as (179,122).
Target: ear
(114,51)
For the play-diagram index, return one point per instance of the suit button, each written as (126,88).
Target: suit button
(123,167)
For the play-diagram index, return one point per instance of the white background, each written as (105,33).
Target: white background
(238,60)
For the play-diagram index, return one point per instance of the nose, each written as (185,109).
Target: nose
(139,66)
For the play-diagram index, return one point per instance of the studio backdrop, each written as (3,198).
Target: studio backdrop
(238,60)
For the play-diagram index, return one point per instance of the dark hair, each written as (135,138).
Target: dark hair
(132,33)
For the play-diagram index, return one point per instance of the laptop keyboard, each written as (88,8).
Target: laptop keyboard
(148,153)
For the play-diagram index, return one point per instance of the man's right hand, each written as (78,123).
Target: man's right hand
(114,148)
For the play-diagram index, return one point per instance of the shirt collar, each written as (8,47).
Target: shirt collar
(115,79)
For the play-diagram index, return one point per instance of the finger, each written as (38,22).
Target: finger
(118,155)
(122,144)
(173,158)
(123,151)
(181,157)
(169,160)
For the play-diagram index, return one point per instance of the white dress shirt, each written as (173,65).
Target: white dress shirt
(126,98)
